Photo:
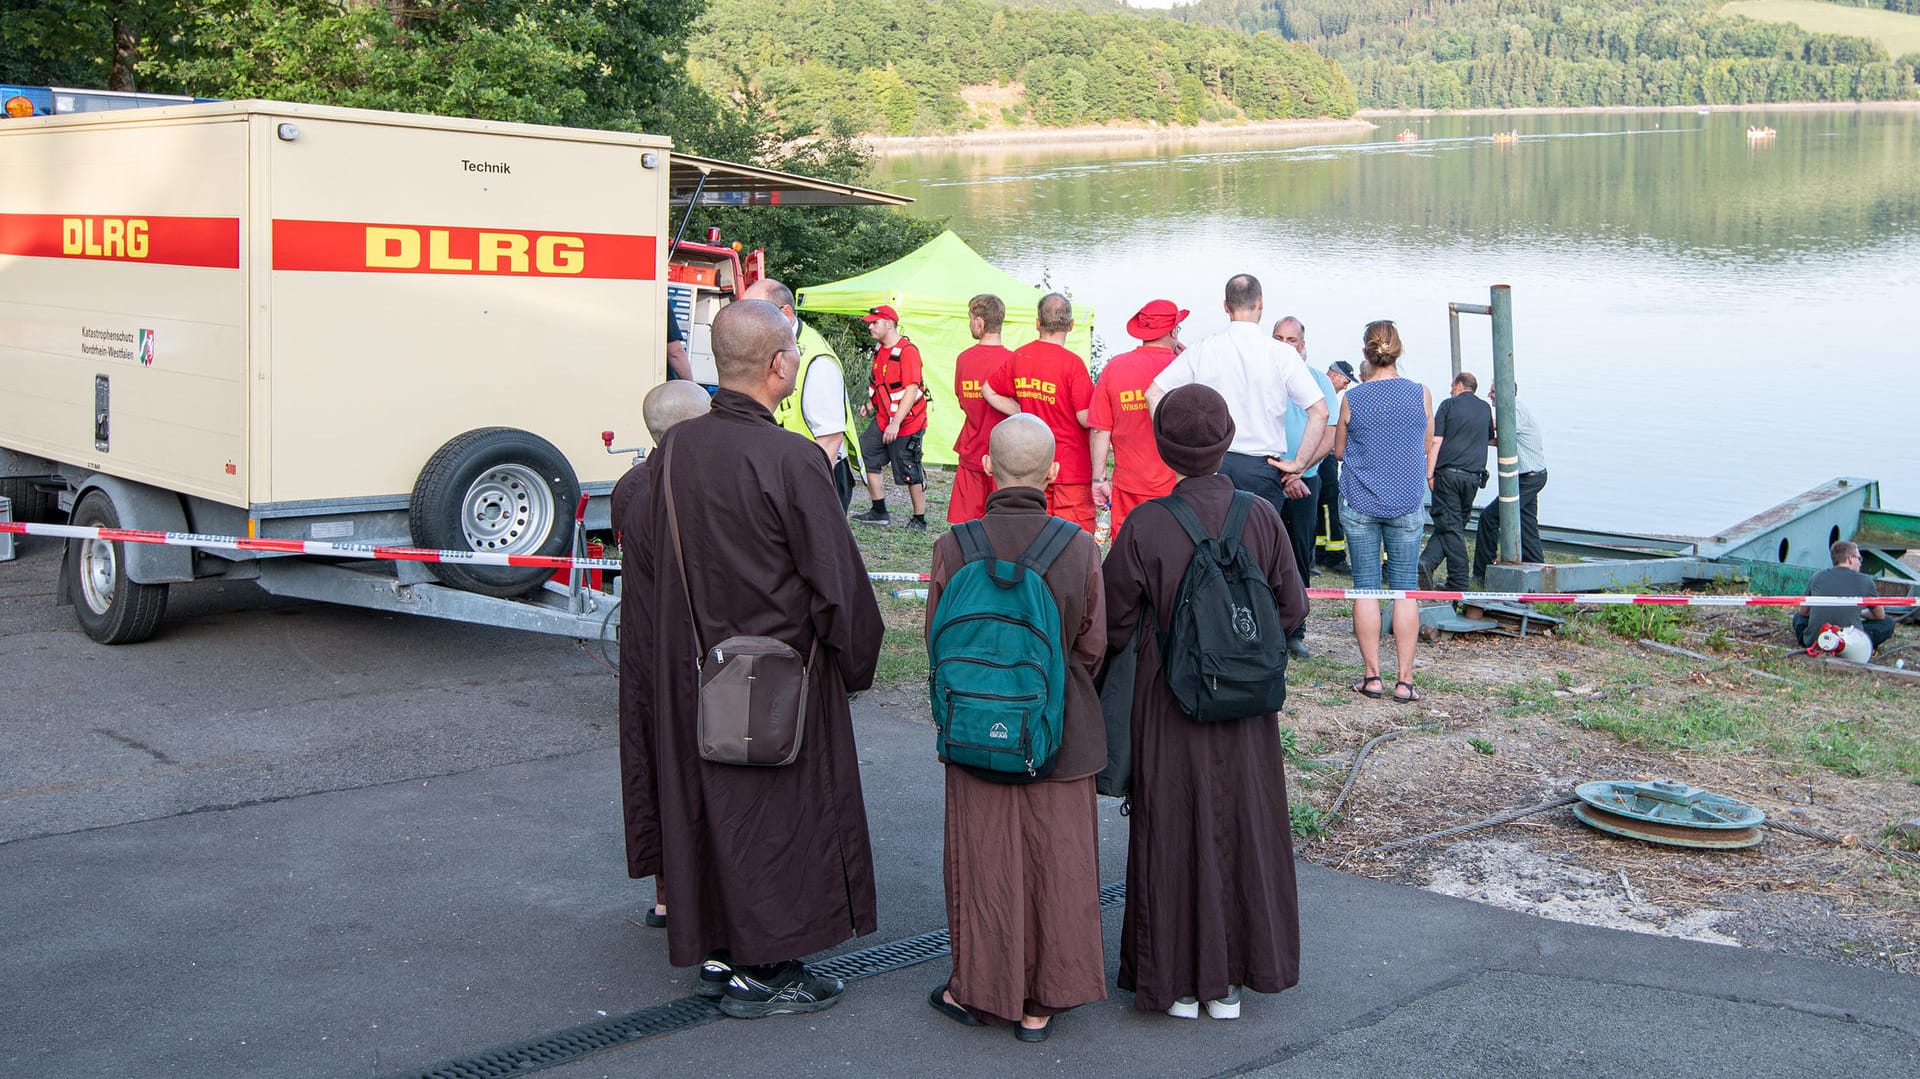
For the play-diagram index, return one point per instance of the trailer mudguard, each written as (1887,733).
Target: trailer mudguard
(150,509)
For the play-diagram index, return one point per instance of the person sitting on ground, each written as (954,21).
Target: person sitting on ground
(1022,859)
(1385,444)
(1211,902)
(664,406)
(1843,579)
(1046,379)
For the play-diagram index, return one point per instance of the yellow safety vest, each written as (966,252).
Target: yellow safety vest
(792,417)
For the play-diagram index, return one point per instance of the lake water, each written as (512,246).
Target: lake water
(1703,326)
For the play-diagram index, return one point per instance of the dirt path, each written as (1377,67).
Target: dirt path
(1505,725)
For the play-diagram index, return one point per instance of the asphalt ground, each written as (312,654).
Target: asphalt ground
(293,840)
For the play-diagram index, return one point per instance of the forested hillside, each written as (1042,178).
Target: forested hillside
(1452,54)
(580,63)
(922,66)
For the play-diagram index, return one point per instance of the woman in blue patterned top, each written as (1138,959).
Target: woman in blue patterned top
(1383,440)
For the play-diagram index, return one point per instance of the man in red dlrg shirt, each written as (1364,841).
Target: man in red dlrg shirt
(1121,420)
(971,370)
(1044,379)
(899,410)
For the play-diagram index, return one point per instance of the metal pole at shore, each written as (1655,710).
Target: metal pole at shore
(1507,441)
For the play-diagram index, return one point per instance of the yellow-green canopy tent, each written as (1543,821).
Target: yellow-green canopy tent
(930,288)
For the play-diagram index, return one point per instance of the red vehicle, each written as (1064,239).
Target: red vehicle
(701,279)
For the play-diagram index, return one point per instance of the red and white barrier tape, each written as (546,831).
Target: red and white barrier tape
(1614,598)
(324,548)
(374,551)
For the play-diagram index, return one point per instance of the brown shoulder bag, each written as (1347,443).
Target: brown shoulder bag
(753,690)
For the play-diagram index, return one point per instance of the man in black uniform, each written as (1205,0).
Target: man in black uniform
(1462,427)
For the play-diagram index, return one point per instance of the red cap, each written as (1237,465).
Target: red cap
(882,312)
(1155,320)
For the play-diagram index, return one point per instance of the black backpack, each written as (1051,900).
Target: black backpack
(1225,651)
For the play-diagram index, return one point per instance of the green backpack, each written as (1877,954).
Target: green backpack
(997,669)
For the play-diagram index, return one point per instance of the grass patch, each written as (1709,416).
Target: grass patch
(1900,33)
(1697,722)
(1481,745)
(896,549)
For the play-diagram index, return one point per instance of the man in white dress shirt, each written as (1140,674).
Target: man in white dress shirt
(1259,377)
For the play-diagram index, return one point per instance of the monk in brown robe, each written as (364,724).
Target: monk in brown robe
(664,406)
(1210,889)
(1023,859)
(761,865)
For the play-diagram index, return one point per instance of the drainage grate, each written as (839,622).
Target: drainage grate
(566,1046)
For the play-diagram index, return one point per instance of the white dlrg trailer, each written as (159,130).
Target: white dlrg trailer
(288,321)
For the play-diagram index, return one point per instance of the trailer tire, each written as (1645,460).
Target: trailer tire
(29,505)
(499,490)
(112,607)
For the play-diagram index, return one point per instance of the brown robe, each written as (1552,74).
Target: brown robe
(769,863)
(1210,884)
(639,802)
(1022,861)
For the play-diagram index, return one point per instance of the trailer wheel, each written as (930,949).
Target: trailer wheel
(112,608)
(500,490)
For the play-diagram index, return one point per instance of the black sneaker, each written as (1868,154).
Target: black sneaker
(1297,647)
(715,972)
(872,517)
(916,524)
(790,990)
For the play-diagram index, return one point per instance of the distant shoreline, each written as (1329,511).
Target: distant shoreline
(1568,110)
(1120,134)
(1011,137)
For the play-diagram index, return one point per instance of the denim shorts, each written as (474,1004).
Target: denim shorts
(1366,536)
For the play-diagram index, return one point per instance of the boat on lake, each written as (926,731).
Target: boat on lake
(1406,136)
(1759,134)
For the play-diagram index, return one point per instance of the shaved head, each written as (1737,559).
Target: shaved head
(671,402)
(746,334)
(771,291)
(1021,449)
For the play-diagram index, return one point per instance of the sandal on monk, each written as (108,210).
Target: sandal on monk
(1412,693)
(952,1011)
(1360,687)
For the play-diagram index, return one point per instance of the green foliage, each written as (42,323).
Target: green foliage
(897,66)
(582,63)
(1514,53)
(1481,745)
(1306,820)
(1643,621)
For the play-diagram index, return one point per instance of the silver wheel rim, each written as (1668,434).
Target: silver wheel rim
(507,510)
(99,574)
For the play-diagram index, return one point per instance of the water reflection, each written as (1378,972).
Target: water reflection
(1704,325)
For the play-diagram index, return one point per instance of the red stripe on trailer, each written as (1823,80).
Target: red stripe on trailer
(275,545)
(132,535)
